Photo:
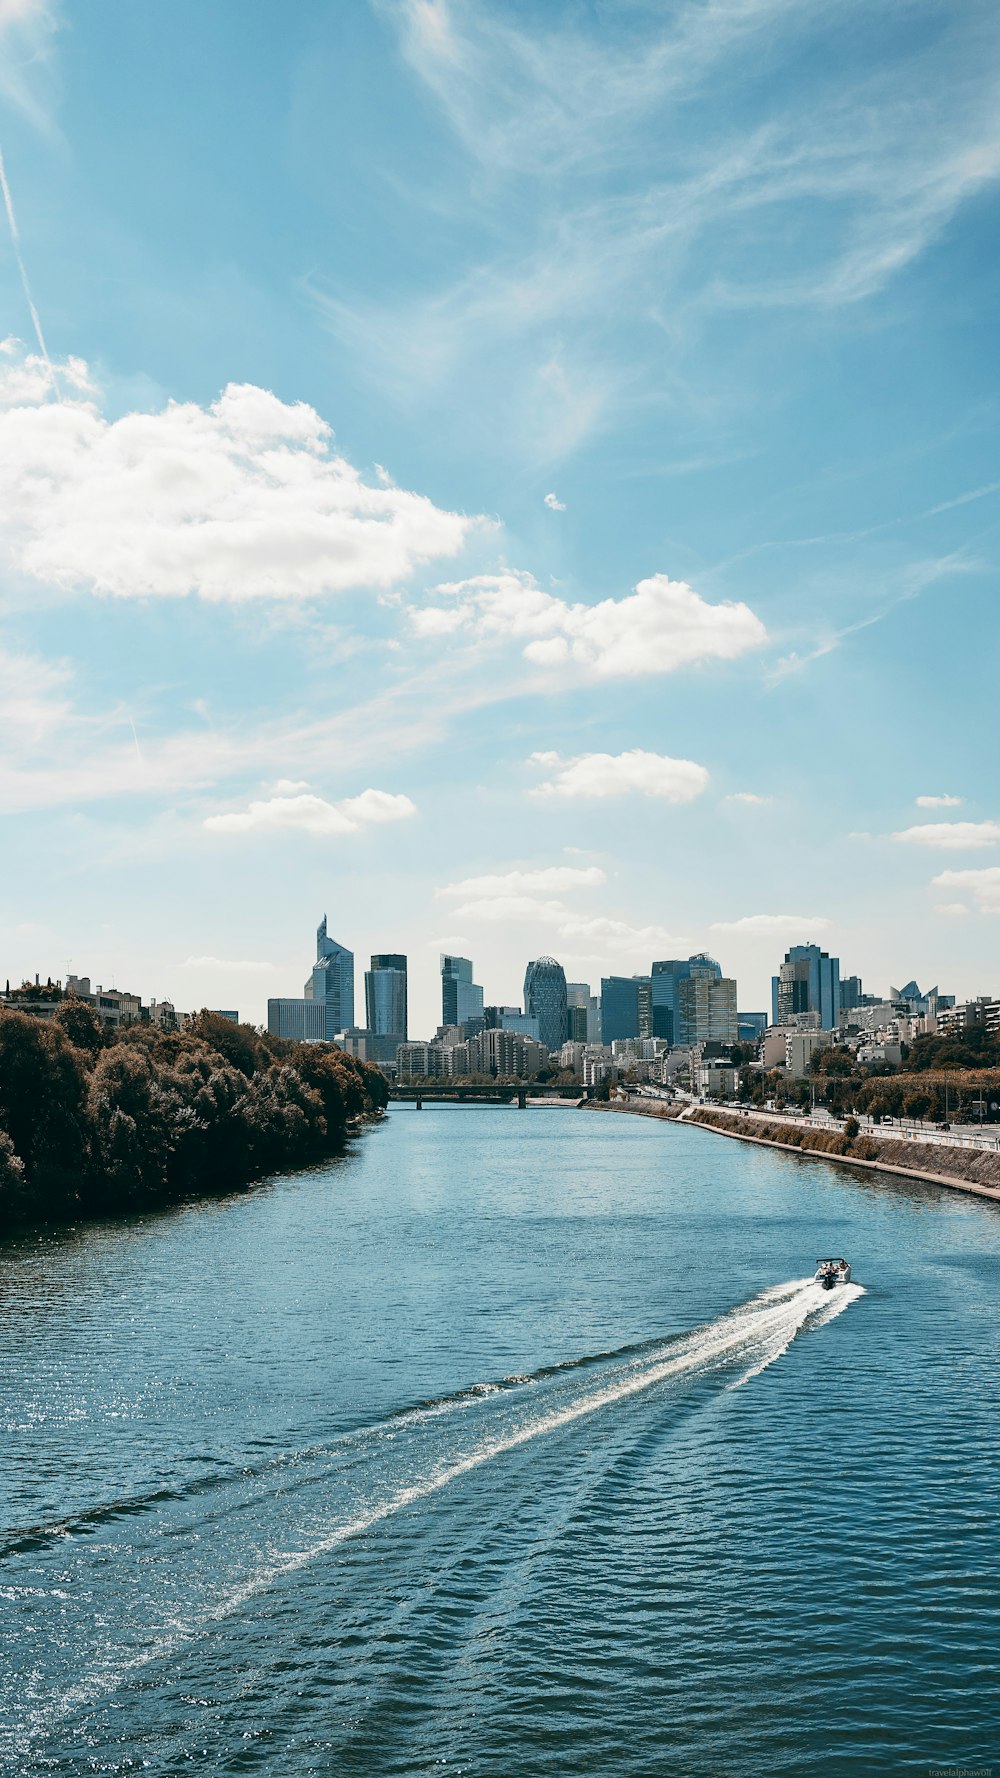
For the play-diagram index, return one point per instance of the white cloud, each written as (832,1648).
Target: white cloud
(953,909)
(952,836)
(939,802)
(773,923)
(377,805)
(982,886)
(747,796)
(663,625)
(312,814)
(555,878)
(553,504)
(619,774)
(241,967)
(243,499)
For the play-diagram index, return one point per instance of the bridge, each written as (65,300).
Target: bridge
(448,1095)
(513,1095)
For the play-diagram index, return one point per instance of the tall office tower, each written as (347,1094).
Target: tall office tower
(808,981)
(666,978)
(385,1004)
(545,1000)
(461,997)
(332,981)
(619,1007)
(644,1004)
(578,999)
(707,1009)
(850,993)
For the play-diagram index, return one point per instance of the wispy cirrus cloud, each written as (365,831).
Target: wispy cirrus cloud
(813,188)
(661,626)
(621,774)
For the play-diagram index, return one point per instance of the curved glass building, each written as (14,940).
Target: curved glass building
(545,1000)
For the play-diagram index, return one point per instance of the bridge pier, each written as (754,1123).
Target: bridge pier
(420,1103)
(522,1098)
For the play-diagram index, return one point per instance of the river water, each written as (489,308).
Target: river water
(510,1444)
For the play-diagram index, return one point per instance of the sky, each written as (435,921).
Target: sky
(514,476)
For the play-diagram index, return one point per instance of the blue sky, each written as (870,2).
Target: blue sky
(513,477)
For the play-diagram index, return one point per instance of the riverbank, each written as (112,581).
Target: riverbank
(961,1169)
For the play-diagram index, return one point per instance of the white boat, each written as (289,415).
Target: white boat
(832,1271)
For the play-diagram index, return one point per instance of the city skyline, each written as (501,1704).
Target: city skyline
(606,571)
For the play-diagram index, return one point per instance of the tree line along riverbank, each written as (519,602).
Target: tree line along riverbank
(96,1123)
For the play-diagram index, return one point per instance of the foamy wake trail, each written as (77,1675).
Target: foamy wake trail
(749,1338)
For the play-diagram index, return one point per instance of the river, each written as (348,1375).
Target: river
(509,1444)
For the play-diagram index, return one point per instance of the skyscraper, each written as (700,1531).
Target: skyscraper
(808,981)
(545,1000)
(578,999)
(707,1009)
(461,997)
(666,978)
(332,981)
(385,1003)
(619,1007)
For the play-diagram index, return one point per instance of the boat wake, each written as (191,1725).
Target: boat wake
(340,1491)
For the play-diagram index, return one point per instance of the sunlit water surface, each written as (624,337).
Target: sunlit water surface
(514,1444)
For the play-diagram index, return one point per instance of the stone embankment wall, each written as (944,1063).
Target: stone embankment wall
(969,1169)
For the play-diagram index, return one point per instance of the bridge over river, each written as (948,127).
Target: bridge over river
(514,1095)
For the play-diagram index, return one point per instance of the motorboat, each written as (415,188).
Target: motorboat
(832,1271)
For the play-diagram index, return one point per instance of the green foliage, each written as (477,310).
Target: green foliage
(95,1122)
(976,1048)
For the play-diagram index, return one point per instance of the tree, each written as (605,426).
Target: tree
(42,1109)
(13,1198)
(81,1025)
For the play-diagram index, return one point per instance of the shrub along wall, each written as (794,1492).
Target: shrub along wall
(976,1166)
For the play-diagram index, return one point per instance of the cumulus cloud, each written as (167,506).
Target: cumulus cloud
(773,923)
(553,504)
(312,814)
(952,836)
(939,802)
(663,625)
(243,499)
(747,796)
(619,774)
(982,886)
(554,879)
(954,910)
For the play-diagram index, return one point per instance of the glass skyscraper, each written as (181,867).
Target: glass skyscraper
(385,1003)
(666,978)
(332,981)
(545,1000)
(461,997)
(808,981)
